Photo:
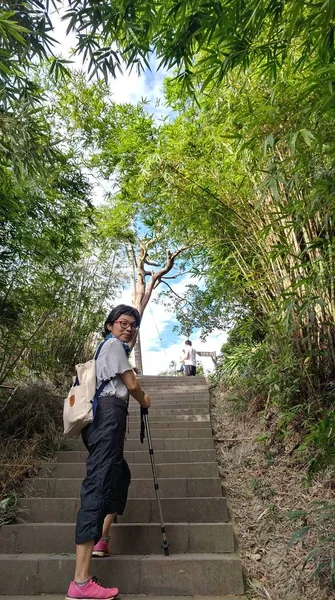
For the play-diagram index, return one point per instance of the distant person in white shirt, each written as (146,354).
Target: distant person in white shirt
(189,358)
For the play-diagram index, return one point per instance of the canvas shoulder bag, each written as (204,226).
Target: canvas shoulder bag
(80,404)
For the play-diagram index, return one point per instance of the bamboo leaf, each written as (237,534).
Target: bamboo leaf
(307,136)
(299,535)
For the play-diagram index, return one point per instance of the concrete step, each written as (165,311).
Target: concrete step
(175,400)
(158,444)
(167,429)
(179,430)
(188,382)
(170,405)
(173,432)
(195,378)
(138,471)
(163,410)
(143,456)
(126,538)
(176,395)
(166,395)
(176,389)
(177,392)
(161,399)
(126,597)
(201,423)
(182,390)
(167,379)
(138,510)
(181,574)
(179,418)
(172,487)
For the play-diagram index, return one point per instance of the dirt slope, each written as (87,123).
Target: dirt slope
(263,485)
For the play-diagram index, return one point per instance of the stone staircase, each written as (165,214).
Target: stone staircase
(36,557)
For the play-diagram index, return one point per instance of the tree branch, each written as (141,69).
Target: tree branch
(153,264)
(177,275)
(175,293)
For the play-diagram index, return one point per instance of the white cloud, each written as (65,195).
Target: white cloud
(157,322)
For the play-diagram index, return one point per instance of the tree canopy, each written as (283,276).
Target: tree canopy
(206,38)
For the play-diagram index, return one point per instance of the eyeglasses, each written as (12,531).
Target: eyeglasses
(125,325)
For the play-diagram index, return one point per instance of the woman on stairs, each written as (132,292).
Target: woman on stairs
(105,488)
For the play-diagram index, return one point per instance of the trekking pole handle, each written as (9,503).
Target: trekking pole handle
(144,411)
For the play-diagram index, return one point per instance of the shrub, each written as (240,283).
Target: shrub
(31,428)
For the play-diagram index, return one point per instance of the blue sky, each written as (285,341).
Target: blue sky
(160,344)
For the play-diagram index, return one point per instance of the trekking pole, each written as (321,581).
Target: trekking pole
(145,427)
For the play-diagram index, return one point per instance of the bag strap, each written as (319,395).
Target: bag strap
(99,348)
(102,385)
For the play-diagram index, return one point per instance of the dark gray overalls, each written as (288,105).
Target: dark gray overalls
(105,487)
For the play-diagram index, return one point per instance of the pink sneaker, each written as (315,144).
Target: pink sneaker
(93,590)
(101,548)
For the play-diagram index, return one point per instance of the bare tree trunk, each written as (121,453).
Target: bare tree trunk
(141,290)
(138,354)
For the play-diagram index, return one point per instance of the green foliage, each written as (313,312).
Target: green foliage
(199,309)
(78,312)
(55,273)
(52,323)
(173,370)
(43,218)
(9,508)
(200,368)
(319,442)
(271,371)
(317,530)
(117,142)
(252,168)
(205,40)
(26,40)
(247,330)
(117,139)
(243,177)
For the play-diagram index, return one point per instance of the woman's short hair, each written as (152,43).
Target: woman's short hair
(117,311)
(188,343)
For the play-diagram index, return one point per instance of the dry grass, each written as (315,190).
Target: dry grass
(263,484)
(31,430)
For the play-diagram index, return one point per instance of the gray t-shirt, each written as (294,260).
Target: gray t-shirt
(111,362)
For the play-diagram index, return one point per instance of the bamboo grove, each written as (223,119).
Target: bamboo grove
(240,172)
